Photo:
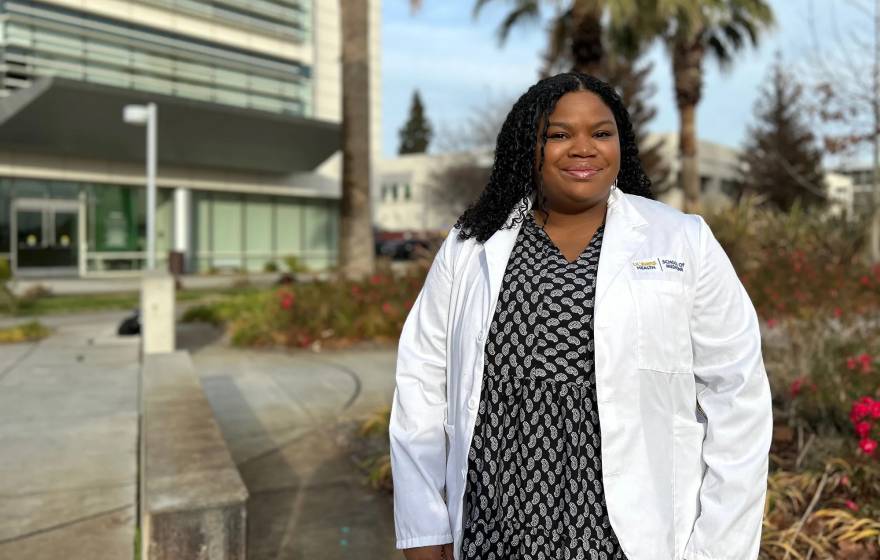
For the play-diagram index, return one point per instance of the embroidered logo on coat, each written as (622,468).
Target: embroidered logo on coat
(659,264)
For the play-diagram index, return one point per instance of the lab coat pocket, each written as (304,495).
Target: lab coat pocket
(664,341)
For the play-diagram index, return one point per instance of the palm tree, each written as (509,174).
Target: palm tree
(576,30)
(356,249)
(695,29)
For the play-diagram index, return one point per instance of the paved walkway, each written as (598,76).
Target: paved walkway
(68,435)
(282,415)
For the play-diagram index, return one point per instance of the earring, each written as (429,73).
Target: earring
(614,184)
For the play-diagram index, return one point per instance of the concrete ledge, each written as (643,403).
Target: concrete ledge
(192,496)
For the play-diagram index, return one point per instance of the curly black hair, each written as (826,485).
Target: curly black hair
(514,176)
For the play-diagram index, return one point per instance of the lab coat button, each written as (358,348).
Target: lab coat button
(472,403)
(481,337)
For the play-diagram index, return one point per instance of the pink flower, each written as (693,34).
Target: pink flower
(387,308)
(852,505)
(838,312)
(868,446)
(851,363)
(863,429)
(875,410)
(287,301)
(865,281)
(772,323)
(376,279)
(796,385)
(844,480)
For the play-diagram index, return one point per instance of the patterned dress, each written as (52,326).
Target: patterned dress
(534,487)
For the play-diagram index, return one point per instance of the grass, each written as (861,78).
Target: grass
(26,332)
(65,304)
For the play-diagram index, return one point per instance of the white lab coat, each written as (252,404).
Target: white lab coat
(684,402)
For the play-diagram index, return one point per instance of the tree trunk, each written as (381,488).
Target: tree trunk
(687,68)
(587,50)
(356,249)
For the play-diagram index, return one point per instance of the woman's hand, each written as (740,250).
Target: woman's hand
(435,552)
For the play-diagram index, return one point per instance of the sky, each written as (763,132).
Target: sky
(456,63)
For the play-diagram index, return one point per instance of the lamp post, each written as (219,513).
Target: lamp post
(146,115)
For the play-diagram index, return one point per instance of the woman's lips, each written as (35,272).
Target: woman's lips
(581,173)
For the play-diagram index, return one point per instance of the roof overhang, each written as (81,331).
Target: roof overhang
(66,117)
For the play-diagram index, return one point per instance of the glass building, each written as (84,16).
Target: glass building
(249,108)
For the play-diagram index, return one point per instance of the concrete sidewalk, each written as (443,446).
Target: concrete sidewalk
(68,435)
(284,417)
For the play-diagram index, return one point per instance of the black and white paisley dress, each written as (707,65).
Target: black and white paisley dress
(534,484)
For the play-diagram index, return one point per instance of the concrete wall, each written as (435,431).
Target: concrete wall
(192,496)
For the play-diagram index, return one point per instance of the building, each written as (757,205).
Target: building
(249,102)
(404,200)
(862,185)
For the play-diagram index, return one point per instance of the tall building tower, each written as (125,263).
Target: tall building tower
(249,103)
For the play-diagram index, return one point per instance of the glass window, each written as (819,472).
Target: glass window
(5,209)
(407,192)
(226,230)
(30,188)
(258,231)
(114,219)
(201,208)
(288,227)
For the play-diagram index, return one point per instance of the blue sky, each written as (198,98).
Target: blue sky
(457,65)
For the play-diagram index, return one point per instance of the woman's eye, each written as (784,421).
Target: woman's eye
(603,134)
(556,135)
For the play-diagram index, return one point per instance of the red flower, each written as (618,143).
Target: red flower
(860,409)
(851,363)
(865,281)
(376,279)
(838,312)
(387,308)
(844,480)
(852,505)
(287,300)
(863,429)
(865,360)
(772,323)
(875,409)
(868,446)
(356,290)
(795,388)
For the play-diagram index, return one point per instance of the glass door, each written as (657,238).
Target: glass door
(46,236)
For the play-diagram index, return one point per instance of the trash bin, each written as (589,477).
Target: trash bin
(175,263)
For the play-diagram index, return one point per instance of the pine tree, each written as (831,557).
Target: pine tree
(416,134)
(781,155)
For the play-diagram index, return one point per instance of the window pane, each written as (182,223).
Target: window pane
(288,227)
(226,231)
(258,239)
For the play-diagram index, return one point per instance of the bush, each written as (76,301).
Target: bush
(799,264)
(27,332)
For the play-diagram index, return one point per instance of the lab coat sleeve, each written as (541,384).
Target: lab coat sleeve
(734,394)
(418,414)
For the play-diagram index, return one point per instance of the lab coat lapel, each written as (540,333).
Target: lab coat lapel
(624,234)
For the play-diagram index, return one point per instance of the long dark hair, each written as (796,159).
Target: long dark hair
(514,177)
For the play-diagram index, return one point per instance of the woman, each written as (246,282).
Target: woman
(581,374)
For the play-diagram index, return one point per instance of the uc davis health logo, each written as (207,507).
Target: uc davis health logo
(646,265)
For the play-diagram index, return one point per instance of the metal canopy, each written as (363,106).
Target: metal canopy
(65,117)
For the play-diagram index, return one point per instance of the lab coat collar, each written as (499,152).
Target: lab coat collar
(622,237)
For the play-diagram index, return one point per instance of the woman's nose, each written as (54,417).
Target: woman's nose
(582,147)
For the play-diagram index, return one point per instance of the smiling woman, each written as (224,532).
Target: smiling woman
(581,374)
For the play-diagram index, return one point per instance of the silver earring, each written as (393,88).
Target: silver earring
(614,184)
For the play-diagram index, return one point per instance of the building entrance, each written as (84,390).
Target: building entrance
(45,237)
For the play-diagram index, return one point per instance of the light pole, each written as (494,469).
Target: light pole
(146,115)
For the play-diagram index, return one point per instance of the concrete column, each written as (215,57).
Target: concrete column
(157,312)
(182,201)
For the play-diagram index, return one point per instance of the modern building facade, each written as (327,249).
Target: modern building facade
(249,103)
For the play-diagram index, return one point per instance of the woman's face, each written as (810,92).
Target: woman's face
(582,153)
